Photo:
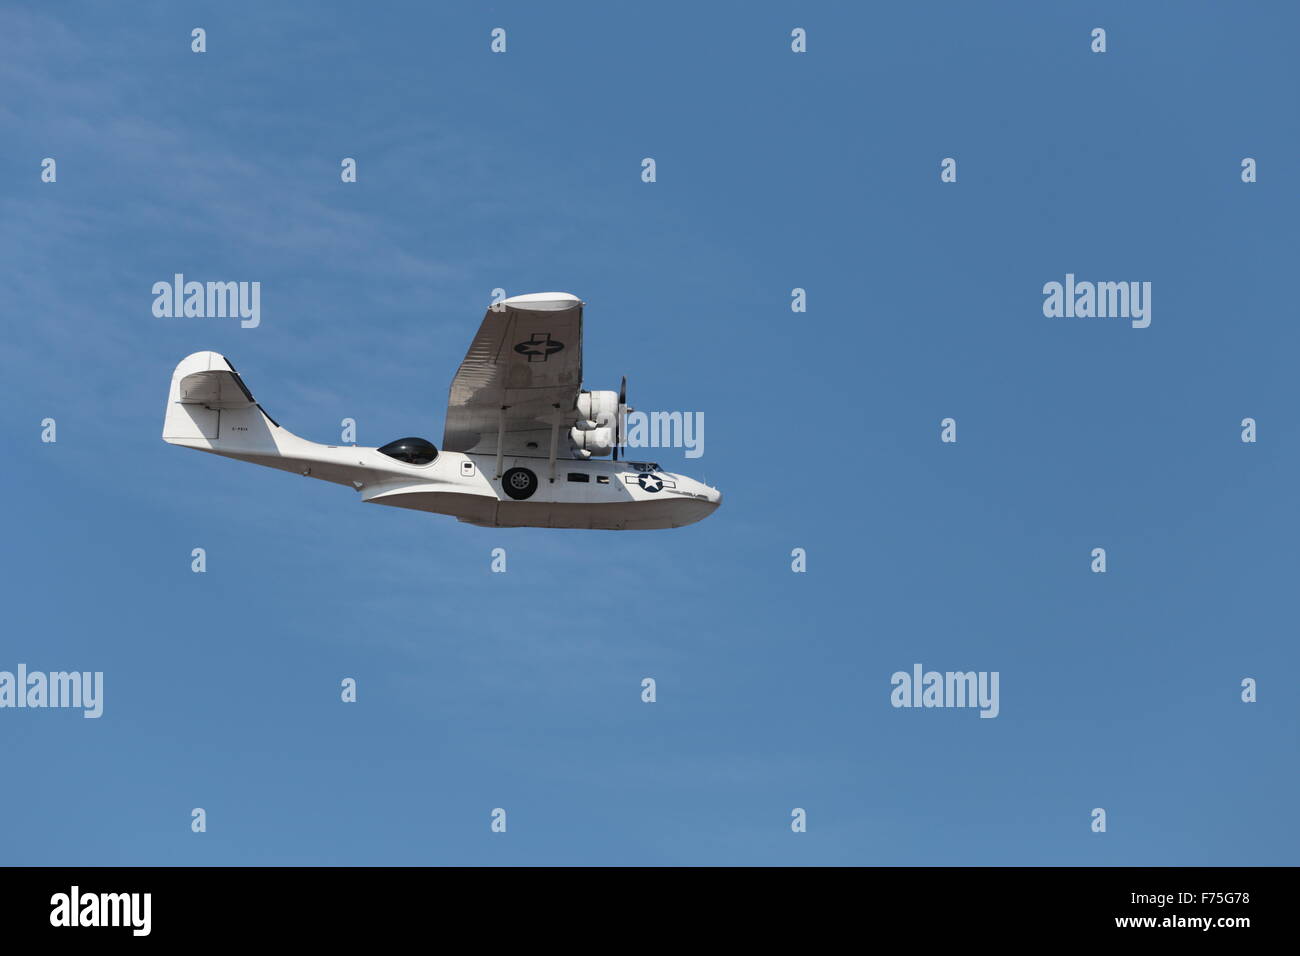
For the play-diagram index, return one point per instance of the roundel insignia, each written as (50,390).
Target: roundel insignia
(649,482)
(539,347)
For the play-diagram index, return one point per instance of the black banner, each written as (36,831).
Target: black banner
(1169,905)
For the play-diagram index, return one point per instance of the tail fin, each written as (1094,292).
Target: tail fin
(211,408)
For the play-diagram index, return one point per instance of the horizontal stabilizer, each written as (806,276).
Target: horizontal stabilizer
(215,389)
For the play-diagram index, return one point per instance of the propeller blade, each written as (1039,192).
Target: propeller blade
(622,414)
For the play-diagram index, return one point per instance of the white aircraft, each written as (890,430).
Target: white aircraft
(519,448)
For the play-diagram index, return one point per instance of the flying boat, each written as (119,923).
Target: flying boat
(524,444)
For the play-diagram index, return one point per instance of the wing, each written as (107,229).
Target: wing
(527,359)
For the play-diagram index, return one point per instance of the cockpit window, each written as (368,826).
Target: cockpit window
(413,451)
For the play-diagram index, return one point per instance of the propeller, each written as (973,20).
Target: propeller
(619,420)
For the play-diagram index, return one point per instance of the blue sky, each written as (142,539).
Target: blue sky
(775,171)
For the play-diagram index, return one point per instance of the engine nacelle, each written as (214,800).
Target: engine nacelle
(592,441)
(599,407)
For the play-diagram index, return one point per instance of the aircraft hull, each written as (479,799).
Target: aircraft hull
(608,516)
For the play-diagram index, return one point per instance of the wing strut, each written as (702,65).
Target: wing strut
(501,434)
(555,434)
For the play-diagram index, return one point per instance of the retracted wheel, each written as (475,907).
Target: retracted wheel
(519,483)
